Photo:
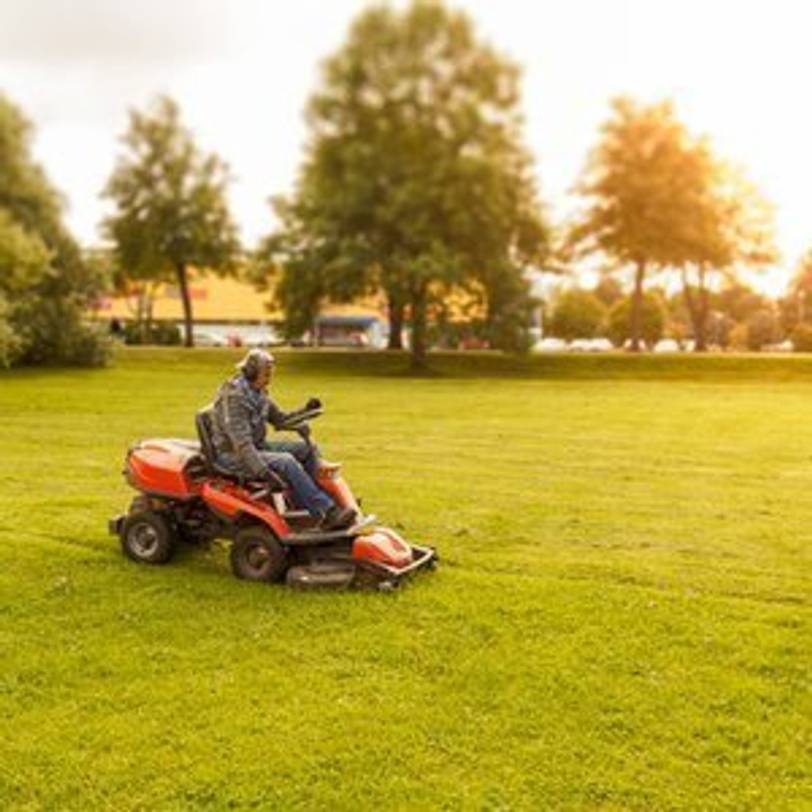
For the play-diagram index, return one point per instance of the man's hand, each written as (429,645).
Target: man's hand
(313,403)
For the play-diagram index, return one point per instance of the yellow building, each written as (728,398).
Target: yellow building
(213,300)
(227,310)
(217,300)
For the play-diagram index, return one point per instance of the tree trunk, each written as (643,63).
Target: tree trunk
(701,328)
(396,308)
(698,310)
(149,305)
(637,306)
(701,343)
(691,304)
(183,285)
(142,310)
(418,304)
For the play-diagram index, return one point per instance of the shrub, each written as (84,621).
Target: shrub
(577,314)
(737,337)
(54,333)
(801,338)
(10,342)
(762,328)
(652,320)
(164,333)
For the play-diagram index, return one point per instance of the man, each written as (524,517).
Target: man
(242,410)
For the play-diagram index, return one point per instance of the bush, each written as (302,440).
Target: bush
(762,328)
(510,332)
(652,320)
(801,338)
(164,333)
(10,342)
(737,337)
(577,314)
(53,332)
(758,330)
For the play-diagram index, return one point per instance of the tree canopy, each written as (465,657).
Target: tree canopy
(44,284)
(659,198)
(415,177)
(171,209)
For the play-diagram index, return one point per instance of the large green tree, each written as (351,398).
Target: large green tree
(415,177)
(44,284)
(658,198)
(171,210)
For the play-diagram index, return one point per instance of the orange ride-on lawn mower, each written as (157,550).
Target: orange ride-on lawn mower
(186,497)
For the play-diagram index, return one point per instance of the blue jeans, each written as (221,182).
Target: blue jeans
(297,463)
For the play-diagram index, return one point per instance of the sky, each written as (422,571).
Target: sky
(242,71)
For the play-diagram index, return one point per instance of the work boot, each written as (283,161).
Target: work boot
(338,518)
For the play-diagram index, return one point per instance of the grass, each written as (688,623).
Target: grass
(621,619)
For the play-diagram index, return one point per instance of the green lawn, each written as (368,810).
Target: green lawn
(621,618)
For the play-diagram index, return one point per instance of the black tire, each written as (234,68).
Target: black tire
(147,538)
(256,555)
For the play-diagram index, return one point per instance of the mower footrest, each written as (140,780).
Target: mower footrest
(295,514)
(321,536)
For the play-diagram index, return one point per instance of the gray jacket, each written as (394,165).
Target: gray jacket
(240,417)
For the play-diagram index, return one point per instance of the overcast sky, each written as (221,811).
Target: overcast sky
(242,71)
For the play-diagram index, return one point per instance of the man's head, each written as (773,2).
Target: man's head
(257,367)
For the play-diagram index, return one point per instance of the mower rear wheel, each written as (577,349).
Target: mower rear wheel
(256,555)
(147,537)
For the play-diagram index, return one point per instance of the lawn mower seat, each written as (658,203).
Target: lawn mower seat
(203,422)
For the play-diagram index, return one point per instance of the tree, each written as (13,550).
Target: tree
(796,306)
(415,179)
(660,199)
(608,290)
(761,328)
(651,322)
(44,283)
(731,228)
(738,301)
(577,314)
(801,337)
(24,261)
(171,205)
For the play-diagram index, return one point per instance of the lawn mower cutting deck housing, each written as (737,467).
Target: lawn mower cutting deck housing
(186,497)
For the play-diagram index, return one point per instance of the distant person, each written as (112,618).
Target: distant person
(241,413)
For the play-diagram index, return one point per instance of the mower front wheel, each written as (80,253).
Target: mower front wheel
(146,537)
(256,555)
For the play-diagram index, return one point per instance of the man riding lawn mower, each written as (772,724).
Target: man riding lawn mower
(291,516)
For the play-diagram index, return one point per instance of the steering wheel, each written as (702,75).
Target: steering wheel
(299,422)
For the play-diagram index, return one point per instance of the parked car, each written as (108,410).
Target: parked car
(590,345)
(667,345)
(204,338)
(550,345)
